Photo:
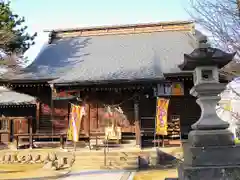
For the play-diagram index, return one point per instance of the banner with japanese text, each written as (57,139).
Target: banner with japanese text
(77,113)
(161,116)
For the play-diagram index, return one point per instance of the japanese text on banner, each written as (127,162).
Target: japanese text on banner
(161,116)
(77,112)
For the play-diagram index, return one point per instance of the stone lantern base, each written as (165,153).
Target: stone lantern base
(209,172)
(213,162)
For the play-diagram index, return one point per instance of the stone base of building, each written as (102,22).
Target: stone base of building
(208,173)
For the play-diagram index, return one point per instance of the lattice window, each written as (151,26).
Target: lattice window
(4,125)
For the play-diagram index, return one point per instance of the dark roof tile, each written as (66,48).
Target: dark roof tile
(9,97)
(111,57)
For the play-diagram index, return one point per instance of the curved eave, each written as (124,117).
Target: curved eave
(9,97)
(190,62)
(107,82)
(10,81)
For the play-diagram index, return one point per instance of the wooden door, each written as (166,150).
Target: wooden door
(94,124)
(20,126)
(147,109)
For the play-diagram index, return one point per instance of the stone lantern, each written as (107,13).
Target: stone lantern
(210,152)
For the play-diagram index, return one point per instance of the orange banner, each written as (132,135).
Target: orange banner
(77,112)
(161,116)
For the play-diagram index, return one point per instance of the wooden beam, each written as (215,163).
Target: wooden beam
(11,117)
(52,103)
(137,121)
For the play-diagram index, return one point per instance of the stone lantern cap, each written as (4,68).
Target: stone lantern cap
(206,57)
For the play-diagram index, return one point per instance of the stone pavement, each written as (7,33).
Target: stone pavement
(104,175)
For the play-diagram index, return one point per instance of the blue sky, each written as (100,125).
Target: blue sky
(53,14)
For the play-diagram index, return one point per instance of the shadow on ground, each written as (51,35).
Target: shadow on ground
(165,166)
(162,161)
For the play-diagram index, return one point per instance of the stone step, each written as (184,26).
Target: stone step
(100,163)
(108,155)
(90,167)
(123,159)
(111,153)
(129,167)
(97,159)
(122,165)
(118,156)
(109,163)
(114,159)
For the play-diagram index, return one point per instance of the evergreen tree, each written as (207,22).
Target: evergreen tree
(13,35)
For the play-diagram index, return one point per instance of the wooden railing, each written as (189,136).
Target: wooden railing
(31,137)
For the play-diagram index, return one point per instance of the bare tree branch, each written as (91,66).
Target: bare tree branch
(220,18)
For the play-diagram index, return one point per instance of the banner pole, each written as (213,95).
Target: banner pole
(163,141)
(75,146)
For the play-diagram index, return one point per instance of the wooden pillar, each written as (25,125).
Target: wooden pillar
(69,113)
(52,103)
(97,105)
(86,119)
(89,119)
(61,141)
(97,127)
(137,121)
(10,129)
(89,126)
(37,116)
(68,122)
(30,133)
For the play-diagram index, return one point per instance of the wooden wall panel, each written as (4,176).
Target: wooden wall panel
(20,126)
(60,116)
(45,123)
(184,106)
(18,111)
(97,115)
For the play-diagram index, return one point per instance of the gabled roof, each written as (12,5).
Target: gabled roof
(9,97)
(134,52)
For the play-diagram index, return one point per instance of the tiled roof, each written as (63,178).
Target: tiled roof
(138,56)
(112,57)
(9,97)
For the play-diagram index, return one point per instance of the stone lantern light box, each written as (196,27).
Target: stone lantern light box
(205,74)
(205,62)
